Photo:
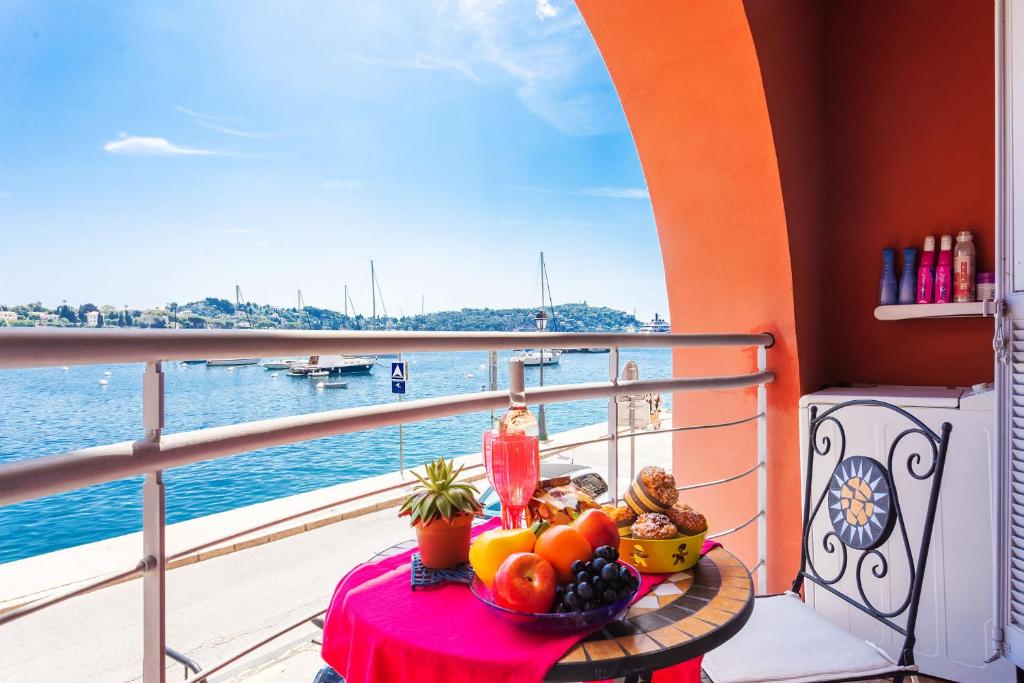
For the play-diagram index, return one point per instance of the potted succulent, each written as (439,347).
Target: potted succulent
(442,509)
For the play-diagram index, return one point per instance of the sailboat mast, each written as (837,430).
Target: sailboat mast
(373,293)
(346,300)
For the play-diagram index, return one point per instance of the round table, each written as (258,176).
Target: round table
(687,615)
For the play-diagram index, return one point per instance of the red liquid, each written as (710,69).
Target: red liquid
(514,472)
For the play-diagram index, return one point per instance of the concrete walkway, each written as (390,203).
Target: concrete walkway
(219,605)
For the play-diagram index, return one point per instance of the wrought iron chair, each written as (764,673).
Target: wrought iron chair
(858,511)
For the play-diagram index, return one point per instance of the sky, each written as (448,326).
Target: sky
(167,151)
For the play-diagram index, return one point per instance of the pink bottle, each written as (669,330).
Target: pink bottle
(944,272)
(926,272)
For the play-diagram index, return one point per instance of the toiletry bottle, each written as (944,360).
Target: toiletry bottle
(944,272)
(908,280)
(887,285)
(926,272)
(963,267)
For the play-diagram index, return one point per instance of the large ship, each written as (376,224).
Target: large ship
(656,326)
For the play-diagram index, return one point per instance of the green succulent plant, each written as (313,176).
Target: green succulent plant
(440,495)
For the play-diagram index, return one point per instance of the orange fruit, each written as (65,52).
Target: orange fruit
(561,546)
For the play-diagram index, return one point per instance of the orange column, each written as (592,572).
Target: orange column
(689,79)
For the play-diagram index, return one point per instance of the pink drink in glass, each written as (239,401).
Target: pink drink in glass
(515,471)
(489,436)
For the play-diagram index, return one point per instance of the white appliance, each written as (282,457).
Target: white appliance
(958,602)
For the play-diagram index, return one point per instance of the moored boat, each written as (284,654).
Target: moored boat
(333,365)
(534,357)
(278,364)
(656,326)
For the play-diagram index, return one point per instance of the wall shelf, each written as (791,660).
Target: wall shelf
(971,309)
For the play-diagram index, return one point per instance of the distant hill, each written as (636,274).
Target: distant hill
(223,314)
(580,317)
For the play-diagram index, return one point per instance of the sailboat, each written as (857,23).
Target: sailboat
(240,305)
(374,289)
(533,357)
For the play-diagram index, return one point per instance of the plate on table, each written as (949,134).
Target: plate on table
(553,622)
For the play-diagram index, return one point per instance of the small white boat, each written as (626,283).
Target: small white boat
(318,373)
(218,362)
(108,373)
(104,382)
(533,357)
(333,385)
(65,368)
(278,364)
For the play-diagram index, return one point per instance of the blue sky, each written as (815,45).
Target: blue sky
(164,151)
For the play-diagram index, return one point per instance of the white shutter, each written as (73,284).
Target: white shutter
(1009,344)
(1009,626)
(1015,443)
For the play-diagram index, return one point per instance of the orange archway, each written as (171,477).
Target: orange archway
(689,79)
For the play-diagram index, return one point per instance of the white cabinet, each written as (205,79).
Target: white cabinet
(958,603)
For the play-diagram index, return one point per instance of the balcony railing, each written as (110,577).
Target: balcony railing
(149,456)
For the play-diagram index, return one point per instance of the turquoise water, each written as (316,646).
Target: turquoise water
(44,411)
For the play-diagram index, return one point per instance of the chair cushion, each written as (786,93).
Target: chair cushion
(785,640)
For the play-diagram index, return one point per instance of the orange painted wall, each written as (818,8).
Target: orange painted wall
(785,143)
(910,113)
(687,75)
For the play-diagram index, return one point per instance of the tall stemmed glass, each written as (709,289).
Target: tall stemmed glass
(514,472)
(489,436)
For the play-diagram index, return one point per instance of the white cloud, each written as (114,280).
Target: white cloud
(545,10)
(343,184)
(421,62)
(217,123)
(562,78)
(139,145)
(616,192)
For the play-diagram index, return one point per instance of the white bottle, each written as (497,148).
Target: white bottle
(964,268)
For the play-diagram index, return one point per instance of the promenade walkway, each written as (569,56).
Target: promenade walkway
(231,595)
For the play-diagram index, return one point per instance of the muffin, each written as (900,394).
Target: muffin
(653,490)
(687,520)
(623,517)
(652,526)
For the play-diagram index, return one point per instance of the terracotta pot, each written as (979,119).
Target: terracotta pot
(444,545)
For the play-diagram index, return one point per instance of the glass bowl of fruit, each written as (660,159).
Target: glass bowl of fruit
(600,590)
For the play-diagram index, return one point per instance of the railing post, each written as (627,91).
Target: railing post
(613,427)
(154,636)
(631,371)
(762,473)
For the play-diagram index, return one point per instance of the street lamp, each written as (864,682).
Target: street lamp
(542,324)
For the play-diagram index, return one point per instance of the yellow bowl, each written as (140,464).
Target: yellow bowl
(663,555)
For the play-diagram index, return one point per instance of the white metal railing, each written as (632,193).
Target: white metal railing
(156,451)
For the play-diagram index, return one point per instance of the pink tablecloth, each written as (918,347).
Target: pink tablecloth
(377,629)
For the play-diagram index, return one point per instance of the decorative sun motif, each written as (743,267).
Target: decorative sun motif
(858,501)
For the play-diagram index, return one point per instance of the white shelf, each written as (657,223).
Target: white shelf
(971,309)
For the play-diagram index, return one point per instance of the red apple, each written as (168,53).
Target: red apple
(598,528)
(525,582)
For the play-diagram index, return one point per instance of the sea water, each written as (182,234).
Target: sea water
(48,410)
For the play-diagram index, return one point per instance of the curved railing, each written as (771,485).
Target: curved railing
(156,451)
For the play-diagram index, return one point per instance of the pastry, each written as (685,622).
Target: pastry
(687,520)
(653,490)
(653,526)
(622,516)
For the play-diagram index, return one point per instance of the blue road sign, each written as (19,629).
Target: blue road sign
(398,386)
(398,371)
